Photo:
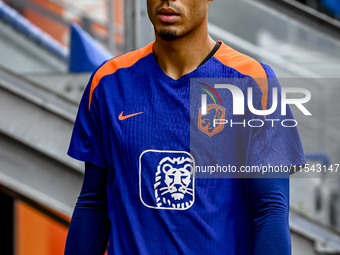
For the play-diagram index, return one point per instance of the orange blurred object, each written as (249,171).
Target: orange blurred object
(36,233)
(55,29)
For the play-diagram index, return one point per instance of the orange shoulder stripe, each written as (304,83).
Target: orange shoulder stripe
(245,65)
(114,64)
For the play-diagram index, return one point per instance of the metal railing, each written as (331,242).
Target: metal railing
(102,27)
(24,26)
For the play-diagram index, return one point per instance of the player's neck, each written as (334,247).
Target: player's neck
(183,55)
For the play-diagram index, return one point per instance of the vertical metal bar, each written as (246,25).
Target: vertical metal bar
(129,25)
(138,23)
(111,26)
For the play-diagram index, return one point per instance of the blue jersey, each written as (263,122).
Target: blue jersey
(176,174)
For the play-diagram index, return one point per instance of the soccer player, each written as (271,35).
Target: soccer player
(152,148)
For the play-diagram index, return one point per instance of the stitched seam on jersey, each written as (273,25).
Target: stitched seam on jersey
(107,75)
(248,57)
(94,86)
(246,76)
(220,62)
(265,92)
(89,153)
(267,83)
(102,229)
(262,65)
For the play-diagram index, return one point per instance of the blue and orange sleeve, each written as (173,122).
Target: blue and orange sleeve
(87,137)
(86,140)
(245,65)
(275,144)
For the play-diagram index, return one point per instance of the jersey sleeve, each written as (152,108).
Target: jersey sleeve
(90,225)
(86,140)
(277,143)
(269,202)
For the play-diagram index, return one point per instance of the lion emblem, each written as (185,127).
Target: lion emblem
(206,122)
(173,183)
(209,118)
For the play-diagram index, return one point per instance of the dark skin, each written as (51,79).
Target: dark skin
(182,39)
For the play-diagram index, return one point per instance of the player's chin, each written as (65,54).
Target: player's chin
(168,34)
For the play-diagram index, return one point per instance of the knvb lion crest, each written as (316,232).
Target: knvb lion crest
(206,121)
(173,183)
(167,179)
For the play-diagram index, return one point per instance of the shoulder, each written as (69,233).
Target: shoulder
(111,66)
(247,66)
(240,62)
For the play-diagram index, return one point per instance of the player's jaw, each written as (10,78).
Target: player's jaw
(174,19)
(167,18)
